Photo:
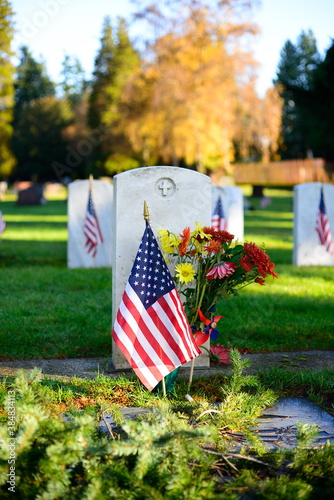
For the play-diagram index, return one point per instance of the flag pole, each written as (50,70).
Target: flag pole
(191,372)
(147,218)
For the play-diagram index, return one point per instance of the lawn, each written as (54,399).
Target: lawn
(49,311)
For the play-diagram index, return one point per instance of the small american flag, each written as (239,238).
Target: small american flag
(2,224)
(322,226)
(151,328)
(218,221)
(92,229)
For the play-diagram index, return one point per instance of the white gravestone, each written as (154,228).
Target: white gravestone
(307,250)
(176,198)
(232,200)
(102,194)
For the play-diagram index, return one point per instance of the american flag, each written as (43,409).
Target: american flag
(218,221)
(92,229)
(2,224)
(151,328)
(322,226)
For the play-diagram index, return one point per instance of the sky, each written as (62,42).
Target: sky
(53,28)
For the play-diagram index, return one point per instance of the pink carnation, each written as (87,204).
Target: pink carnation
(222,352)
(226,269)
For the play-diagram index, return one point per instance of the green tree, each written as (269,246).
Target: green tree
(7,161)
(74,84)
(32,82)
(40,138)
(322,108)
(295,79)
(40,119)
(115,65)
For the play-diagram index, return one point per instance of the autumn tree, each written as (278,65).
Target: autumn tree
(258,125)
(194,70)
(7,161)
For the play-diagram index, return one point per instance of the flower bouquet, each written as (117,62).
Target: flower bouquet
(210,267)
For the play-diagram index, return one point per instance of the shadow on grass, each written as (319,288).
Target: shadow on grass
(279,321)
(16,253)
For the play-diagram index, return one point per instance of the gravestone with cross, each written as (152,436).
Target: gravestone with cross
(233,208)
(176,198)
(308,249)
(102,194)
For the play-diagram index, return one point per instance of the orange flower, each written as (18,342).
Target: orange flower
(185,237)
(213,246)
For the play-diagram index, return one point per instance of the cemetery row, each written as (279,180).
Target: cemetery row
(176,198)
(106,223)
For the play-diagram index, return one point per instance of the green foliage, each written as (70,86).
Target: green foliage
(55,458)
(169,453)
(7,161)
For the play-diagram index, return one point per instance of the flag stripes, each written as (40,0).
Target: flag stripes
(151,328)
(151,338)
(322,226)
(218,221)
(92,231)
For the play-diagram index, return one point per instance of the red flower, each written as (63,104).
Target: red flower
(257,258)
(226,269)
(271,270)
(260,281)
(221,236)
(246,263)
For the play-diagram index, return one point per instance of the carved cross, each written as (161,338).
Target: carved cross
(165,186)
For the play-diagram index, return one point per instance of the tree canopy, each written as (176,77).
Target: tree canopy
(7,160)
(183,94)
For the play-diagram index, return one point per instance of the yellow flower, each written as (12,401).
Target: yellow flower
(168,241)
(185,272)
(199,231)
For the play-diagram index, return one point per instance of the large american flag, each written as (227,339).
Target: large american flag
(218,221)
(2,224)
(151,328)
(322,225)
(92,229)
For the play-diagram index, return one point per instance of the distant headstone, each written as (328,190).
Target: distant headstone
(278,424)
(308,250)
(3,189)
(53,188)
(102,194)
(33,195)
(176,198)
(233,207)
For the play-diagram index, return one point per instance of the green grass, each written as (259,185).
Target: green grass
(47,310)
